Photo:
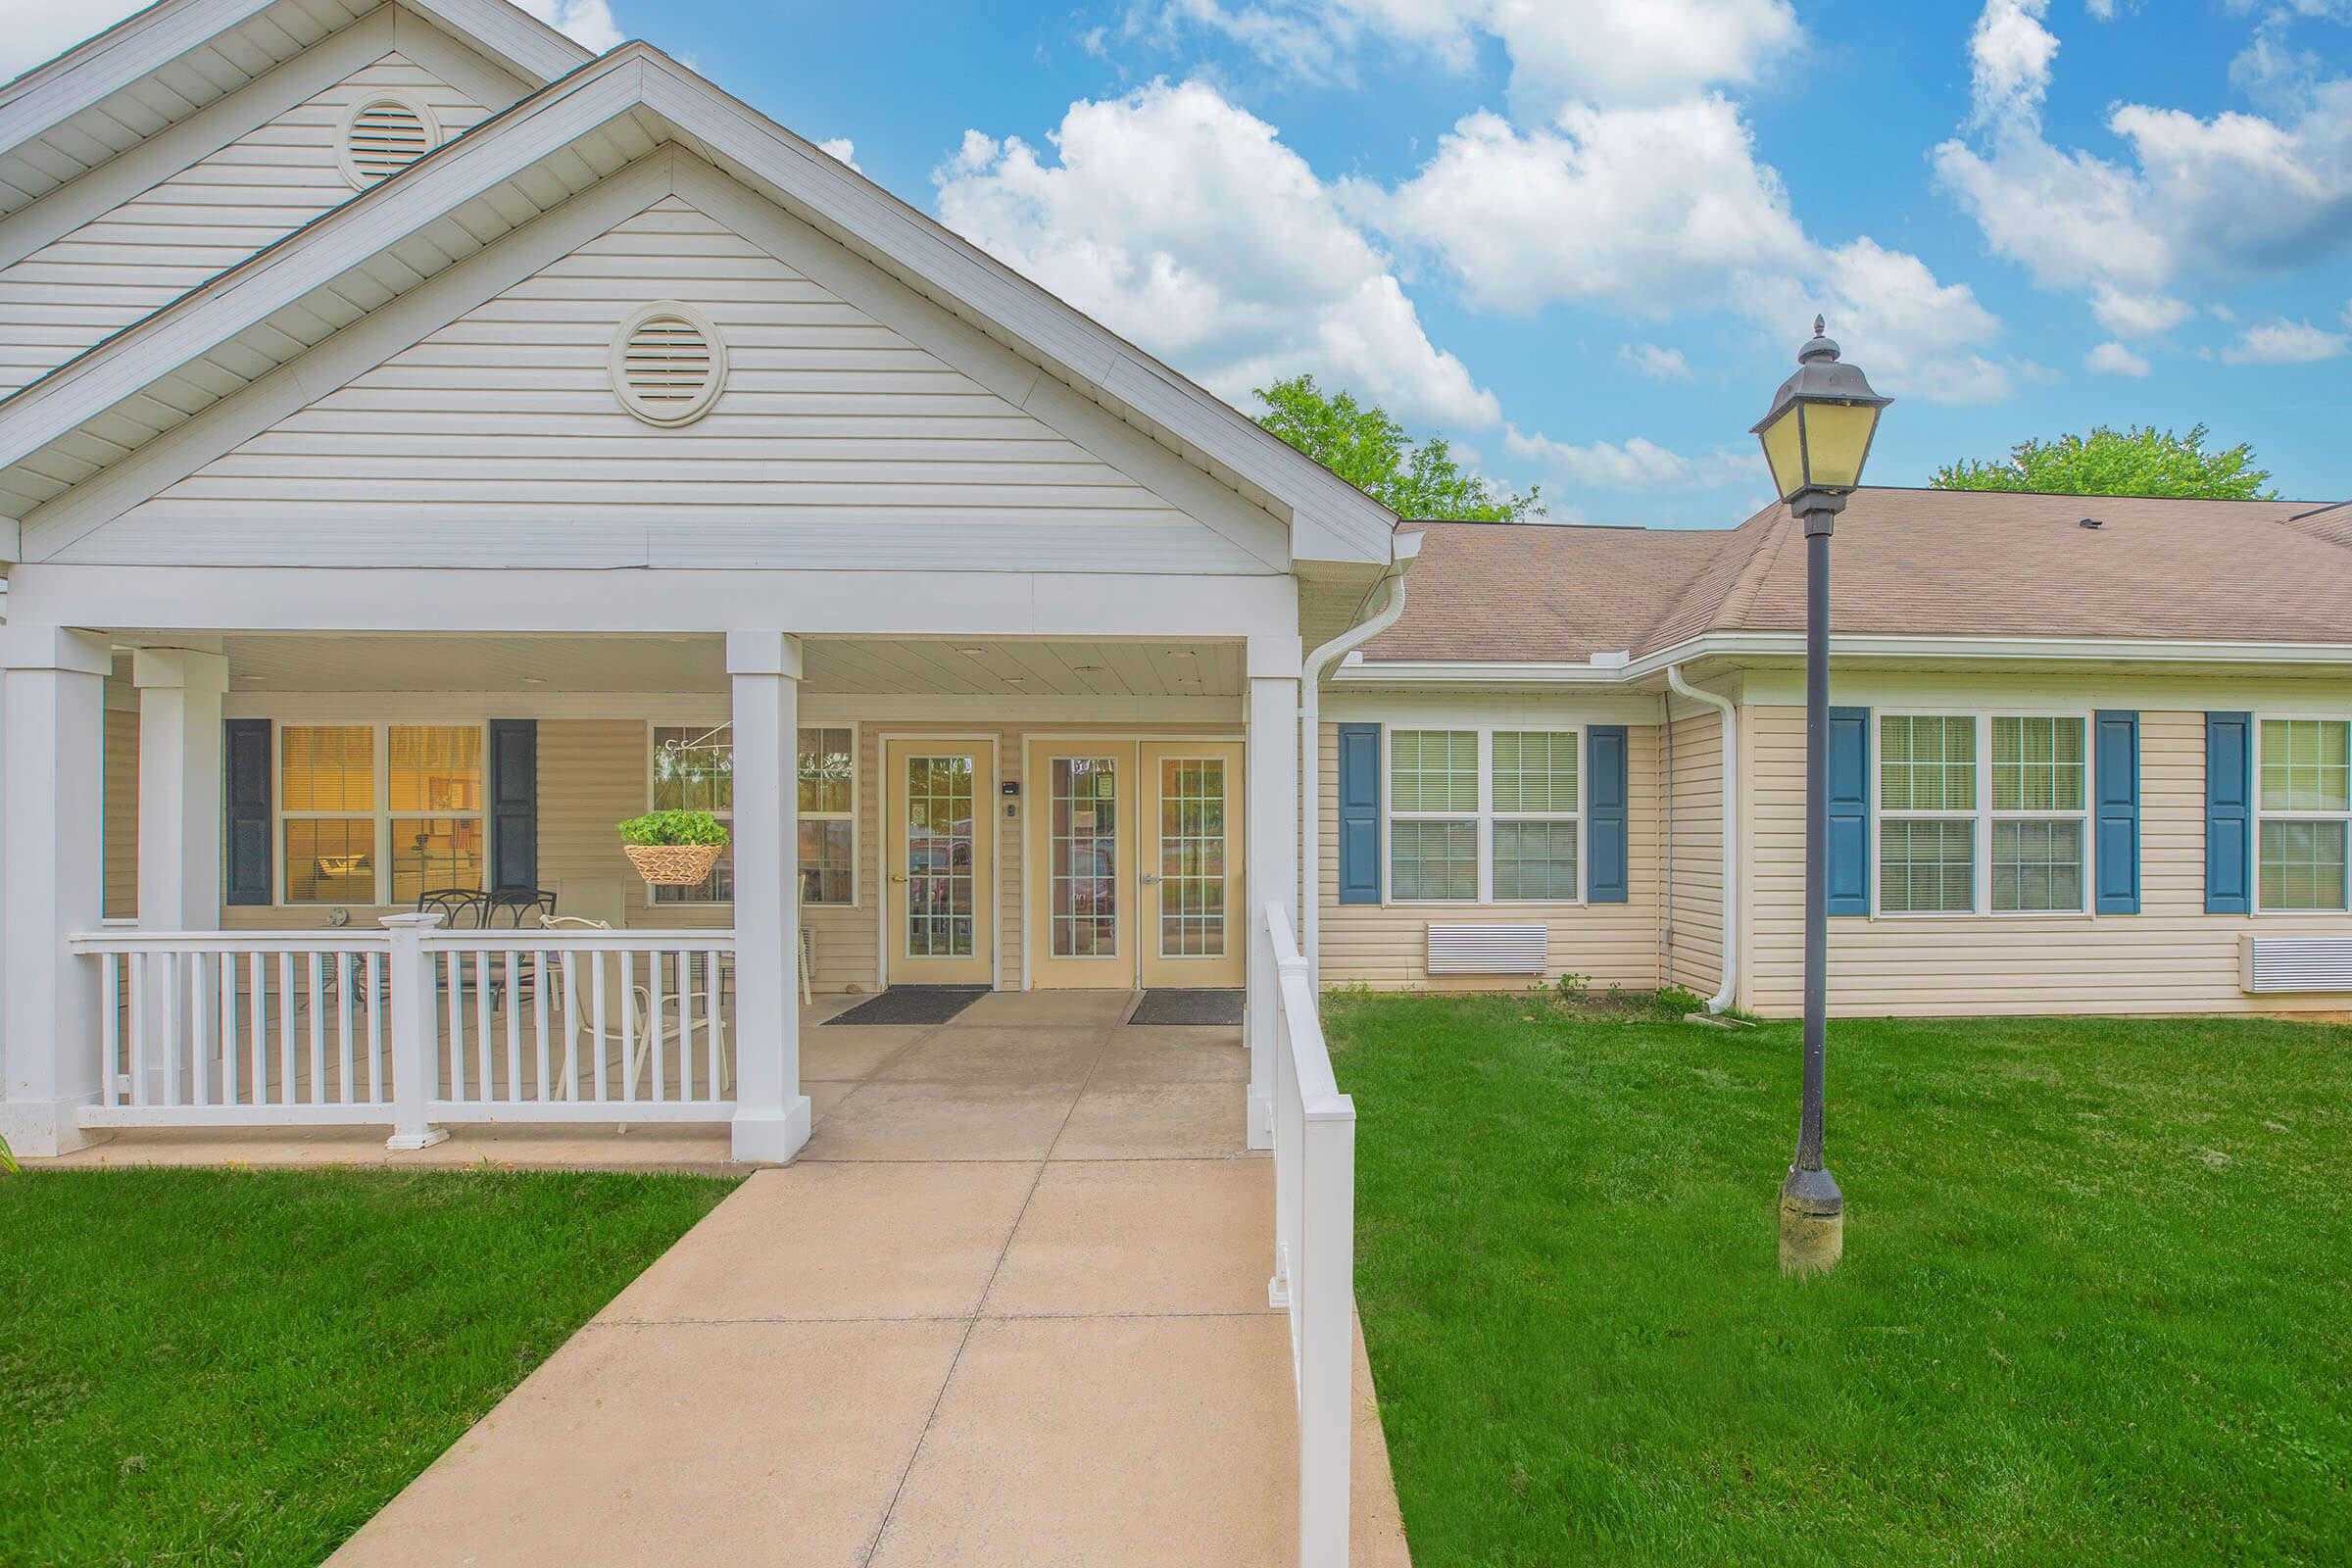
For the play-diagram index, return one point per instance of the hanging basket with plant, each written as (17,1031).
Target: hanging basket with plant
(673,848)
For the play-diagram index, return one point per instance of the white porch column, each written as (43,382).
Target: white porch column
(771,1114)
(52,805)
(179,787)
(1273,853)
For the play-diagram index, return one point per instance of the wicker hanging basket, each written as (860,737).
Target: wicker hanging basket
(673,866)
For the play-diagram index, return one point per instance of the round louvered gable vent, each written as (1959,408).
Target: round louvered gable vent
(383,137)
(667,364)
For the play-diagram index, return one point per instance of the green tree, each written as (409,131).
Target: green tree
(2132,461)
(1364,446)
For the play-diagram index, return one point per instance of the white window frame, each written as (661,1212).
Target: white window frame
(381,810)
(2260,815)
(1486,816)
(857,898)
(1981,817)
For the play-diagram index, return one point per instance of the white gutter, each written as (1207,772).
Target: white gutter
(1731,828)
(1605,669)
(1310,746)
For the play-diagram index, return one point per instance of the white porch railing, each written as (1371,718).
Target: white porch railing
(1314,1250)
(410,1025)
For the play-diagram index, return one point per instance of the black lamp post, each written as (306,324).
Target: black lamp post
(1816,438)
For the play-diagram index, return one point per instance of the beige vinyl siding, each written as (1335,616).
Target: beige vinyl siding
(205,218)
(1610,944)
(122,816)
(1693,913)
(2172,958)
(837,442)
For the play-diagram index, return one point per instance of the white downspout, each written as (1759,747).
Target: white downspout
(1310,747)
(1731,828)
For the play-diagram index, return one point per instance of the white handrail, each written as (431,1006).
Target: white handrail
(1315,1249)
(410,1025)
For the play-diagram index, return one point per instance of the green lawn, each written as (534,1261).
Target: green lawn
(2095,1305)
(201,1367)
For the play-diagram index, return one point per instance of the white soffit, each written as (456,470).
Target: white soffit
(156,67)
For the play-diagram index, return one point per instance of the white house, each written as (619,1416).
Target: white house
(426,446)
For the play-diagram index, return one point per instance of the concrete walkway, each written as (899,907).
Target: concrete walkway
(1008,1308)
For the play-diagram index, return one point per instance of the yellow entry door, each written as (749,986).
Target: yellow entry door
(1082,872)
(1193,930)
(941,861)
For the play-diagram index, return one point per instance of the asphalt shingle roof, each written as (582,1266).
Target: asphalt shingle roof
(1920,561)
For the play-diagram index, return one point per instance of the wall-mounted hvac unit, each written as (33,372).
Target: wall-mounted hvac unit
(1488,949)
(2295,963)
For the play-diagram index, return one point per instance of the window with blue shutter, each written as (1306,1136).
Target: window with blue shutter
(2229,813)
(247,861)
(1606,857)
(1848,795)
(1358,785)
(2115,802)
(514,802)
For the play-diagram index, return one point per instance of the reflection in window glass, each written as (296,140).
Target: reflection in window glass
(1083,845)
(434,854)
(1433,859)
(1192,857)
(331,859)
(326,769)
(825,868)
(435,768)
(2303,864)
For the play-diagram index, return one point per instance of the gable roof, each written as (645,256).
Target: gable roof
(1905,562)
(531,160)
(160,65)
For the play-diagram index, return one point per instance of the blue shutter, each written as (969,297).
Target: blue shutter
(1604,814)
(2115,801)
(1850,810)
(2229,813)
(245,800)
(1360,813)
(514,802)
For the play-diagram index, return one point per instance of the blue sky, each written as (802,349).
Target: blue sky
(1582,237)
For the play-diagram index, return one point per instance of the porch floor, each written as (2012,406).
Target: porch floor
(1009,1306)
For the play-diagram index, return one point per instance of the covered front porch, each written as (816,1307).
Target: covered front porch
(304,879)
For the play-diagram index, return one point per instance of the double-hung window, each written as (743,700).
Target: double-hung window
(1483,816)
(358,801)
(1980,813)
(2305,795)
(694,770)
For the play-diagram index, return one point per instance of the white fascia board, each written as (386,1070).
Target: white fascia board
(1337,515)
(212,127)
(1854,645)
(877,603)
(157,36)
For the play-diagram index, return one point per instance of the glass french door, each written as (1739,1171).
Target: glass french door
(1082,886)
(1135,864)
(1193,933)
(942,871)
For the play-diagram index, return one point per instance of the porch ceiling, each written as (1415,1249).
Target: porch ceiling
(923,667)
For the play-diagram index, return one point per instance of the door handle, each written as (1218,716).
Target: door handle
(898,876)
(1149,878)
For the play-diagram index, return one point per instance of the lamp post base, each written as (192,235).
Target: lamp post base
(1812,1223)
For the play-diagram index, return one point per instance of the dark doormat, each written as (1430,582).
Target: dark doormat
(1188,1006)
(914,1004)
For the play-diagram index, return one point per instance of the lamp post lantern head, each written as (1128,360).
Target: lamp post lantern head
(1818,433)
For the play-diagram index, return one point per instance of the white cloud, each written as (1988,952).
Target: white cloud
(842,148)
(2231,194)
(1183,222)
(1656,363)
(1654,211)
(1637,464)
(1601,51)
(2114,359)
(2284,342)
(2129,315)
(589,23)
